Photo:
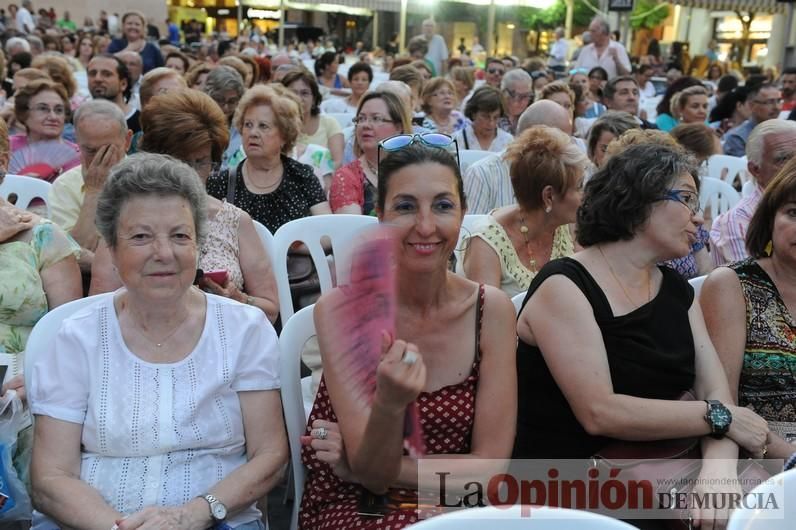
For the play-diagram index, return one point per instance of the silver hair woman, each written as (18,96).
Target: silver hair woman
(151,411)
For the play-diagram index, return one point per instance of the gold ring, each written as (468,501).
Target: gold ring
(765,450)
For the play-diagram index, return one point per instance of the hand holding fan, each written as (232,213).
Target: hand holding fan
(45,160)
(364,310)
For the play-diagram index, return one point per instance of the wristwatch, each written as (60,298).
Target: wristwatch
(718,417)
(217,509)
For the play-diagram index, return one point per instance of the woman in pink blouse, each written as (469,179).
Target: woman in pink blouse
(379,116)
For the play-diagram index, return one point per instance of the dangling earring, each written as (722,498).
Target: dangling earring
(769,248)
(548,209)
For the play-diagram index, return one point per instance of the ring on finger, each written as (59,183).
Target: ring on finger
(765,450)
(409,357)
(321,433)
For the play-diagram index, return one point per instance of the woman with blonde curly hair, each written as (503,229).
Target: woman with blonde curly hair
(268,185)
(690,105)
(512,244)
(197,75)
(59,71)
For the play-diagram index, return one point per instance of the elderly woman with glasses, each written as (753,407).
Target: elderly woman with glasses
(517,90)
(157,406)
(484,111)
(189,126)
(609,340)
(354,186)
(439,104)
(43,108)
(748,311)
(460,370)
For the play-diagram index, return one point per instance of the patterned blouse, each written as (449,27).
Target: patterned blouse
(221,249)
(768,375)
(515,278)
(687,265)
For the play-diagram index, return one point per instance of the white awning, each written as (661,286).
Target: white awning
(756,6)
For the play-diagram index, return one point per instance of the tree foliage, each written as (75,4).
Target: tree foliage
(653,16)
(555,15)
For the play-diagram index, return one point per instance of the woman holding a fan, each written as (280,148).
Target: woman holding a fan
(442,364)
(43,108)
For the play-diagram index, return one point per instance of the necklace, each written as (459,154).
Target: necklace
(621,285)
(269,187)
(524,231)
(372,167)
(164,340)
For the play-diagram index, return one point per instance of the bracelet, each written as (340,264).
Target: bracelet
(249,300)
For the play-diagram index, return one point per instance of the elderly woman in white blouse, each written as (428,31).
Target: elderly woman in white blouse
(158,406)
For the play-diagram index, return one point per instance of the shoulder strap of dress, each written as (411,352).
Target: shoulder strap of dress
(464,135)
(479,319)
(232,180)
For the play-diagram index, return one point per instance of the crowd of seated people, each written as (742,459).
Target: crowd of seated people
(158,406)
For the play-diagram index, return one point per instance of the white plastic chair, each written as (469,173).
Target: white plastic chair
(696,283)
(541,518)
(267,238)
(467,229)
(468,157)
(43,334)
(343,118)
(340,229)
(748,188)
(782,489)
(517,300)
(736,167)
(26,189)
(717,194)
(295,333)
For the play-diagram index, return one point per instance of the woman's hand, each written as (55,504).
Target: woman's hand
(400,376)
(719,484)
(748,430)
(186,517)
(330,448)
(13,221)
(16,383)
(228,290)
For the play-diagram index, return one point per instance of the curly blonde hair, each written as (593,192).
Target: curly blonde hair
(286,109)
(641,136)
(680,99)
(542,156)
(58,69)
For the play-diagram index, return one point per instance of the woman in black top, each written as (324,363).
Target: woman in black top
(609,340)
(272,188)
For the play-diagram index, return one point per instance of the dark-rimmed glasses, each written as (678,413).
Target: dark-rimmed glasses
(402,141)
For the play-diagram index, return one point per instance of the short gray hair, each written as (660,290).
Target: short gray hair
(102,108)
(17,41)
(604,26)
(517,75)
(35,43)
(754,145)
(148,174)
(223,78)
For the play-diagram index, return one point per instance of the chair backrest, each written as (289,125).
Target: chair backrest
(512,518)
(517,300)
(696,283)
(748,188)
(340,229)
(468,157)
(26,189)
(43,334)
(343,118)
(735,166)
(294,334)
(781,489)
(267,238)
(717,194)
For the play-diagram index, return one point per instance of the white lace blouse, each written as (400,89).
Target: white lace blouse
(157,434)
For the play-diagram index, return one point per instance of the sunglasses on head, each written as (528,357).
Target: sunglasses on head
(402,141)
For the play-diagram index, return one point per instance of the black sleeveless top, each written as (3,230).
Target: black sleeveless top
(650,355)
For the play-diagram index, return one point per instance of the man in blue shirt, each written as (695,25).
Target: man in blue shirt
(765,103)
(174,32)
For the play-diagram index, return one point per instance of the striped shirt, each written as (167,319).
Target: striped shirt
(728,233)
(487,185)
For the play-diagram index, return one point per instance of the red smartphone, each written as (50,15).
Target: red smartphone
(219,276)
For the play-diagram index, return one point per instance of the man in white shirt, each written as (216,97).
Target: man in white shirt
(487,183)
(104,139)
(603,51)
(437,49)
(135,67)
(558,52)
(24,20)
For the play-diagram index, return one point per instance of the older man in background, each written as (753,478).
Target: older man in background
(437,52)
(603,51)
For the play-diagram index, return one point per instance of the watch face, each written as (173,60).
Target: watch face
(720,417)
(219,510)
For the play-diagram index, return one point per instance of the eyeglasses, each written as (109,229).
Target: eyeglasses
(58,110)
(231,102)
(768,102)
(402,141)
(687,198)
(496,71)
(518,95)
(205,165)
(597,77)
(374,120)
(575,71)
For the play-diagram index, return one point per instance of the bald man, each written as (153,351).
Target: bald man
(487,184)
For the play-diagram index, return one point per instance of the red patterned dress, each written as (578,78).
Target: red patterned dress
(446,416)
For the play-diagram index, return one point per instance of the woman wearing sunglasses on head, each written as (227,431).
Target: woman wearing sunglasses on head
(453,347)
(609,340)
(484,111)
(509,247)
(380,115)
